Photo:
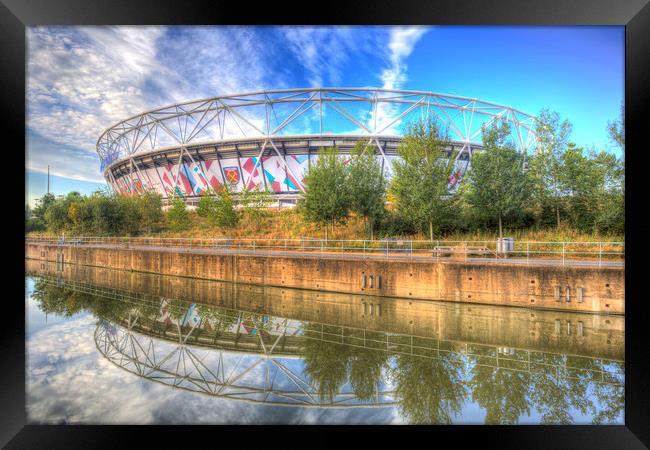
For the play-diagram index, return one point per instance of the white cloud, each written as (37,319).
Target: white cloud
(68,381)
(402,41)
(325,52)
(82,80)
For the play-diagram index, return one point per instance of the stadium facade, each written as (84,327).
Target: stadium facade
(269,139)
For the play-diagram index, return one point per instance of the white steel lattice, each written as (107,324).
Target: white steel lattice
(258,124)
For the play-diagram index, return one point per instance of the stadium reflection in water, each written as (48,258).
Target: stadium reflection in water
(246,354)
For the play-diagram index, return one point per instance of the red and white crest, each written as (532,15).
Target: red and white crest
(232,174)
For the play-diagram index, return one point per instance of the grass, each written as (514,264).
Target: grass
(289,224)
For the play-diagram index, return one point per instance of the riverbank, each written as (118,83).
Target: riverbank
(546,286)
(289,224)
(579,334)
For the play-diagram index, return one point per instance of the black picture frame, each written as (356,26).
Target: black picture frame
(15,15)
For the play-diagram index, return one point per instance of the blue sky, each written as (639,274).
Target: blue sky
(81,80)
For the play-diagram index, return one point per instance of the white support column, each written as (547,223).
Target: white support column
(139,173)
(259,158)
(200,167)
(178,171)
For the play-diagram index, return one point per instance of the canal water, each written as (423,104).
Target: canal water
(111,347)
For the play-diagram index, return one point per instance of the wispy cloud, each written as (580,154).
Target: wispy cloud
(325,53)
(400,45)
(81,80)
(69,381)
(401,42)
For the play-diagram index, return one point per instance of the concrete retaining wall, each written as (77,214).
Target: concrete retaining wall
(569,288)
(575,333)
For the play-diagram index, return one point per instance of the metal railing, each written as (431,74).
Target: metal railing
(523,252)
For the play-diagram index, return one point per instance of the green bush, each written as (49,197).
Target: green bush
(178,219)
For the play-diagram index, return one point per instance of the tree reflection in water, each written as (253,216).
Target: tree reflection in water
(503,394)
(430,390)
(430,381)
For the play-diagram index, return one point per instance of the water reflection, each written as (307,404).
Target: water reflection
(261,358)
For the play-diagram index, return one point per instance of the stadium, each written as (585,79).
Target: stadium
(268,140)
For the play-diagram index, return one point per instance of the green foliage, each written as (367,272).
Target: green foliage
(429,391)
(218,209)
(616,130)
(420,183)
(255,201)
(33,223)
(178,219)
(205,207)
(498,187)
(545,167)
(593,186)
(103,214)
(106,214)
(45,202)
(225,215)
(150,207)
(326,200)
(56,217)
(503,394)
(366,185)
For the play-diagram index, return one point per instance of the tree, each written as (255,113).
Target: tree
(326,200)
(616,130)
(150,207)
(43,204)
(327,364)
(498,186)
(255,201)
(177,215)
(206,206)
(32,223)
(593,186)
(56,216)
(130,215)
(225,215)
(80,214)
(501,392)
(420,183)
(429,390)
(546,166)
(107,215)
(366,185)
(366,367)
(218,209)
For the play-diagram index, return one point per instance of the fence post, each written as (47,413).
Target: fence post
(600,253)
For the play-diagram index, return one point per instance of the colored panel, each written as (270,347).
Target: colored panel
(167,173)
(153,181)
(299,164)
(253,172)
(196,182)
(213,174)
(275,173)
